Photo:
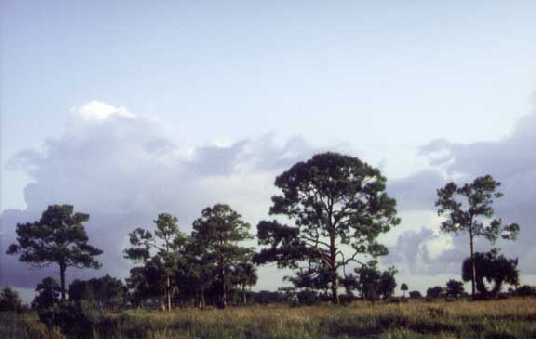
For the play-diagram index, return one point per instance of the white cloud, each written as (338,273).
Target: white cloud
(97,110)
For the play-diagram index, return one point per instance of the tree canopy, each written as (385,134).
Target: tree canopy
(493,268)
(58,237)
(469,208)
(339,207)
(217,237)
(164,247)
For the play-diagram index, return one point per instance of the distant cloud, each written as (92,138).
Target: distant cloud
(123,171)
(511,161)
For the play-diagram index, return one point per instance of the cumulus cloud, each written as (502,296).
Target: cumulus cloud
(123,170)
(512,161)
(96,110)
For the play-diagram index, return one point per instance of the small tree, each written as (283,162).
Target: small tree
(48,294)
(415,294)
(10,300)
(467,209)
(435,292)
(339,207)
(454,288)
(404,288)
(164,246)
(217,235)
(58,237)
(491,267)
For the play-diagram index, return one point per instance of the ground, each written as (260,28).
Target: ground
(511,318)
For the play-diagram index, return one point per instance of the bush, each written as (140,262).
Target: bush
(10,301)
(307,297)
(75,319)
(525,291)
(435,292)
(415,295)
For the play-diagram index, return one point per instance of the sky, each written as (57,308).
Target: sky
(129,110)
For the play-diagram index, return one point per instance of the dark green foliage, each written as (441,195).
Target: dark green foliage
(58,237)
(307,297)
(435,292)
(468,208)
(525,291)
(415,295)
(75,319)
(403,288)
(48,294)
(491,267)
(455,288)
(216,242)
(371,282)
(339,207)
(10,300)
(161,255)
(105,292)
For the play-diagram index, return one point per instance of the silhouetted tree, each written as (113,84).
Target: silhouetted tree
(371,282)
(10,300)
(435,292)
(339,207)
(404,288)
(217,235)
(166,244)
(48,294)
(415,295)
(105,291)
(58,237)
(454,288)
(491,267)
(467,209)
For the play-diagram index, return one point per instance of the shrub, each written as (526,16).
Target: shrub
(10,301)
(415,295)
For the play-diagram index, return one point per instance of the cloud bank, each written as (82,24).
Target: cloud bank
(123,169)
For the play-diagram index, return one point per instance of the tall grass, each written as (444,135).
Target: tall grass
(513,318)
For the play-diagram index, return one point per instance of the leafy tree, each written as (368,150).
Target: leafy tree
(371,282)
(146,282)
(387,283)
(105,291)
(404,288)
(491,267)
(58,237)
(48,294)
(468,208)
(166,244)
(415,295)
(435,292)
(455,288)
(245,276)
(217,235)
(10,300)
(339,207)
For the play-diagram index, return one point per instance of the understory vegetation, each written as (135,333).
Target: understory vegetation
(511,318)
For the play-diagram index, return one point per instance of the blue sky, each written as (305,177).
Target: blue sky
(378,80)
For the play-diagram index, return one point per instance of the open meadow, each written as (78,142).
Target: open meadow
(511,318)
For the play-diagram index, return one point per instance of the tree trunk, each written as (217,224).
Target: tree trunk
(168,292)
(473,265)
(63,268)
(334,278)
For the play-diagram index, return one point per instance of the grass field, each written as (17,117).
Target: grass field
(512,318)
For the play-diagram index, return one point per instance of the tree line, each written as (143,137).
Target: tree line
(326,220)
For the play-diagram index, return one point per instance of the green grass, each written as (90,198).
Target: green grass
(513,318)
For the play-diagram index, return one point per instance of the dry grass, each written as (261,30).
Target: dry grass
(512,318)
